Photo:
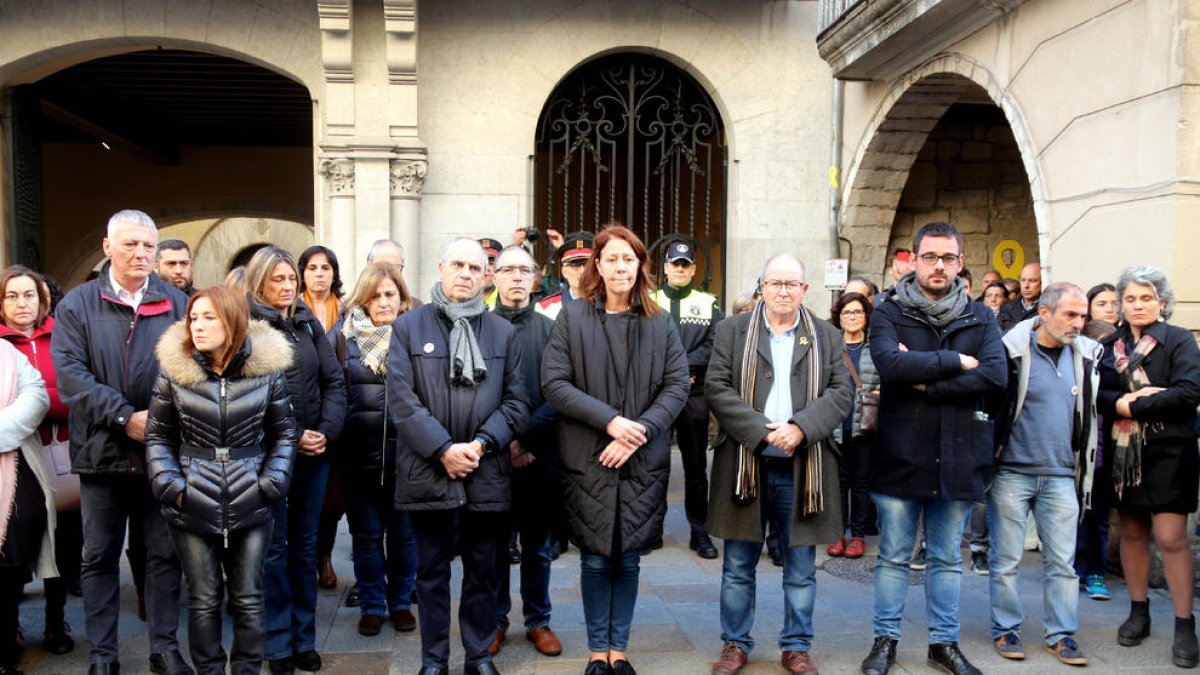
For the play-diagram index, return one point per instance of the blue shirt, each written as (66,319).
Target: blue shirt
(778,407)
(1040,442)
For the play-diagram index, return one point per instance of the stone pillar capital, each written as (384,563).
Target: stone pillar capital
(408,177)
(339,176)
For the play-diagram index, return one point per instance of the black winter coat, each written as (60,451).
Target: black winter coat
(579,380)
(539,436)
(937,442)
(103,351)
(315,382)
(368,437)
(246,406)
(430,413)
(1012,313)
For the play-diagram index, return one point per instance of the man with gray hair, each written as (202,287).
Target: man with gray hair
(386,251)
(456,392)
(103,348)
(1046,442)
(778,386)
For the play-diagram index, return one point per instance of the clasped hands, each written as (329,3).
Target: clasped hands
(461,459)
(785,436)
(627,437)
(1123,403)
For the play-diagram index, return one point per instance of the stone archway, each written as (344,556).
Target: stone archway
(898,131)
(229,236)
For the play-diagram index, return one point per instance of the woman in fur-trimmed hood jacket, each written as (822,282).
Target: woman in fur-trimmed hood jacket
(219,453)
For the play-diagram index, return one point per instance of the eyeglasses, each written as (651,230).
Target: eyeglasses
(508,270)
(792,286)
(852,312)
(949,260)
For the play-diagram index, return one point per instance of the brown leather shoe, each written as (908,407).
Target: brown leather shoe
(545,641)
(326,577)
(370,624)
(732,660)
(404,621)
(798,663)
(497,642)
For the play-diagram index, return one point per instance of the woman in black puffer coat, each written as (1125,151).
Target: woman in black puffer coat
(220,439)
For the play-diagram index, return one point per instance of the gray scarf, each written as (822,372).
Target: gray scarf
(939,312)
(466,362)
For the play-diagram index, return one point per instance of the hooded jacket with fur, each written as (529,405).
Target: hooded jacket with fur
(246,406)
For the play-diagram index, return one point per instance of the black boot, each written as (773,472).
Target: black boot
(1137,627)
(1185,652)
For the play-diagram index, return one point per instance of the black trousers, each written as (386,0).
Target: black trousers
(691,432)
(477,536)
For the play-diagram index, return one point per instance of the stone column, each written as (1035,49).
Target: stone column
(338,206)
(408,177)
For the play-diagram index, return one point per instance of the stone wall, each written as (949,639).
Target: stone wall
(969,173)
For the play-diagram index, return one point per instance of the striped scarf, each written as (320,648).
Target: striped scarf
(745,487)
(1127,433)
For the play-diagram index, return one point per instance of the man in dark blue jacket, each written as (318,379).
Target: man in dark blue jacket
(457,395)
(941,365)
(534,453)
(103,349)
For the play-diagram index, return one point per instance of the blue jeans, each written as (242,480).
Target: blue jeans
(290,582)
(107,502)
(944,522)
(609,588)
(799,574)
(386,572)
(1055,511)
(209,566)
(535,580)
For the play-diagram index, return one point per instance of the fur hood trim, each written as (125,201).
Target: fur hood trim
(270,352)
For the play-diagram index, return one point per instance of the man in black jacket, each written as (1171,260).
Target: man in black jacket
(695,314)
(534,454)
(457,394)
(940,362)
(1014,312)
(103,348)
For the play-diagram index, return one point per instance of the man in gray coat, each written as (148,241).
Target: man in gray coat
(774,460)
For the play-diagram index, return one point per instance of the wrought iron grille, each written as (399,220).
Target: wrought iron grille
(632,138)
(28,245)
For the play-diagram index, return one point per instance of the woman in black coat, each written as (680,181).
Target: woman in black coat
(220,439)
(367,460)
(318,394)
(616,372)
(1149,390)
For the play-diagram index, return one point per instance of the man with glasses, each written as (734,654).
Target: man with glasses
(940,363)
(773,462)
(573,256)
(456,389)
(695,314)
(1025,307)
(534,454)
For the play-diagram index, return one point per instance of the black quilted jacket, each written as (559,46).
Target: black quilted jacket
(247,406)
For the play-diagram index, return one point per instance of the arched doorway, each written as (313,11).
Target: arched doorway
(630,137)
(182,135)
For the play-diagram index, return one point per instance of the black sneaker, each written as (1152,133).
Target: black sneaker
(170,663)
(881,658)
(309,660)
(979,563)
(948,658)
(702,544)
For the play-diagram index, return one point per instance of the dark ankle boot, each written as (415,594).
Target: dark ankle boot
(1185,651)
(1137,627)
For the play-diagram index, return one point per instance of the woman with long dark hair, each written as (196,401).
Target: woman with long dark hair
(318,393)
(25,323)
(1149,390)
(616,372)
(220,440)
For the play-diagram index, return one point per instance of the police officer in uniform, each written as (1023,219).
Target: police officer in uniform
(492,248)
(696,314)
(572,259)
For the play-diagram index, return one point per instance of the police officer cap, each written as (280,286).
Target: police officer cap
(490,246)
(576,245)
(681,250)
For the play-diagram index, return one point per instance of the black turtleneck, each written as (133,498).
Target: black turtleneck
(676,294)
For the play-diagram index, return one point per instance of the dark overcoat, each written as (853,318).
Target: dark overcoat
(745,423)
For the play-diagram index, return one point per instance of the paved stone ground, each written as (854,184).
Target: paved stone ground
(676,624)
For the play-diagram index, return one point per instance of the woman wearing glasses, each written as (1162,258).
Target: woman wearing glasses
(616,372)
(852,314)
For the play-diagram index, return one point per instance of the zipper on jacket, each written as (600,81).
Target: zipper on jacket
(224,473)
(383,443)
(129,341)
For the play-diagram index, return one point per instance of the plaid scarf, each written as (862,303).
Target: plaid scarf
(745,486)
(1127,433)
(373,341)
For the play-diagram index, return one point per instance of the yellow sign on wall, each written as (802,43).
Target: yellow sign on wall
(1008,258)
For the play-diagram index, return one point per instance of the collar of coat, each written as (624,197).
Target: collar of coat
(265,351)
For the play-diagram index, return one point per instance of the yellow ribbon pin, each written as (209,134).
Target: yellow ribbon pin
(833,177)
